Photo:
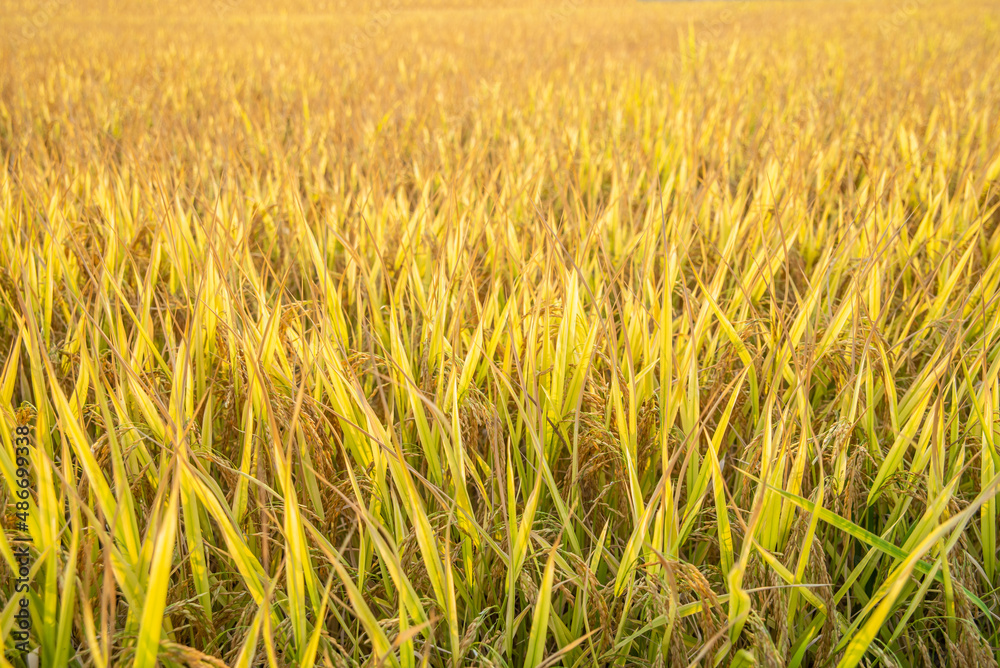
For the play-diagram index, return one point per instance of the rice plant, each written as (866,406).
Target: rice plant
(568,334)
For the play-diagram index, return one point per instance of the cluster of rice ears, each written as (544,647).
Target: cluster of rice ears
(597,337)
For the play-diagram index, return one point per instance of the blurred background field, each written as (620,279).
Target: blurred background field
(573,333)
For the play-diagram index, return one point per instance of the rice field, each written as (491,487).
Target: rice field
(422,333)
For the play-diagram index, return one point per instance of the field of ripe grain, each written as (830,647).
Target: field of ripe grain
(569,334)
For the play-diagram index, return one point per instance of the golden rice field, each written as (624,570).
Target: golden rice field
(574,334)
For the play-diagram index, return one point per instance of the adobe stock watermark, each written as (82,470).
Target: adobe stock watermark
(560,13)
(35,23)
(20,538)
(375,24)
(902,15)
(717,25)
(224,7)
(467,106)
(480,97)
(143,89)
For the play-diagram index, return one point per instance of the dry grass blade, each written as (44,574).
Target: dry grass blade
(425,333)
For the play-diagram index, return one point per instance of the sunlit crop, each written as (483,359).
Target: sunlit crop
(428,334)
